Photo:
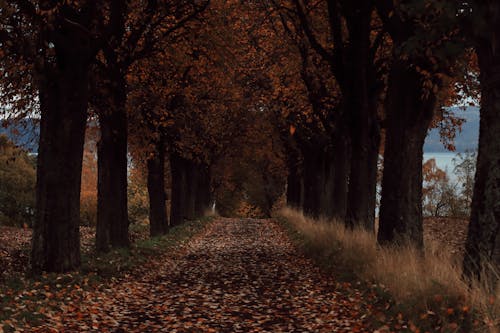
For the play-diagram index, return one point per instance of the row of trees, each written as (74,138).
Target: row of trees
(173,93)
(110,61)
(377,75)
(333,83)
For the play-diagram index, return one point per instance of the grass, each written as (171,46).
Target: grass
(428,290)
(122,260)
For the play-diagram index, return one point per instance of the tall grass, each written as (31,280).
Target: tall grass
(410,277)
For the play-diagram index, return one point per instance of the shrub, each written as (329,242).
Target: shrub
(17,190)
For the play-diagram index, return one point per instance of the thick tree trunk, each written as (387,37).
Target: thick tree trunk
(341,160)
(178,201)
(158,222)
(327,180)
(408,118)
(63,104)
(203,195)
(294,190)
(482,251)
(294,185)
(192,188)
(363,174)
(112,209)
(313,176)
(363,122)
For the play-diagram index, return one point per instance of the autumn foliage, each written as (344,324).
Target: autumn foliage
(156,112)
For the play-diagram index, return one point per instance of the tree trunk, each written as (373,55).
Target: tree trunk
(203,195)
(192,188)
(363,177)
(63,104)
(112,209)
(327,174)
(179,189)
(312,174)
(158,223)
(363,122)
(482,250)
(408,118)
(294,185)
(341,160)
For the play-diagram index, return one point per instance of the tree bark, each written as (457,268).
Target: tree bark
(363,175)
(294,185)
(363,123)
(63,104)
(112,207)
(482,250)
(312,174)
(203,195)
(408,117)
(192,179)
(179,189)
(158,222)
(341,160)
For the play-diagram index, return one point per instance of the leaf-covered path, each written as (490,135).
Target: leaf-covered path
(240,275)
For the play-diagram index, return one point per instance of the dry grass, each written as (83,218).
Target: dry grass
(409,277)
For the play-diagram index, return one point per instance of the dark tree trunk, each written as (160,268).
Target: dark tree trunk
(312,175)
(63,104)
(482,250)
(363,122)
(327,174)
(112,211)
(178,201)
(192,188)
(203,195)
(158,222)
(341,168)
(408,118)
(363,174)
(294,185)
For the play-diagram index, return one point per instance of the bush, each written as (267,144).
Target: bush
(18,180)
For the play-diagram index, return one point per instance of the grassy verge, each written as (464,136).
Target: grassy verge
(28,301)
(118,261)
(415,293)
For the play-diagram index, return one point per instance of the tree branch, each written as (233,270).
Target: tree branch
(322,51)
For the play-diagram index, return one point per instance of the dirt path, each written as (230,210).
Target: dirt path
(241,275)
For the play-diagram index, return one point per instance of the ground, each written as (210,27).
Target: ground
(447,233)
(237,275)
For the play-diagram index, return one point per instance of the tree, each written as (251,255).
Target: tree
(424,55)
(482,252)
(54,43)
(438,195)
(465,169)
(138,30)
(340,32)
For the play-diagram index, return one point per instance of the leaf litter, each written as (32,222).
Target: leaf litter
(239,275)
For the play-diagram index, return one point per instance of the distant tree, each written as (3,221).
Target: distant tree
(438,195)
(17,190)
(465,170)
